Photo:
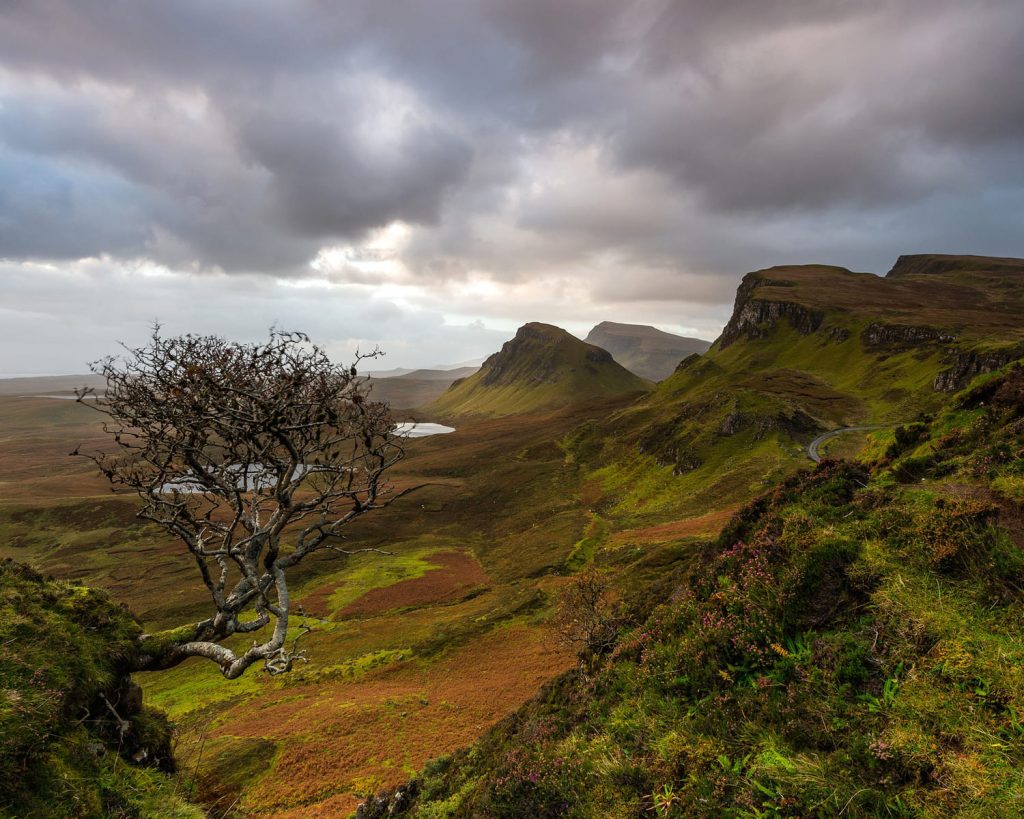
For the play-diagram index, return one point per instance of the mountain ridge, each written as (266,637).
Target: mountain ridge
(850,642)
(869,592)
(807,349)
(542,367)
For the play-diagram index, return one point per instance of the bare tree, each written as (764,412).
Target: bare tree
(255,456)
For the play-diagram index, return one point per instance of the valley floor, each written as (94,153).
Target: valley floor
(412,655)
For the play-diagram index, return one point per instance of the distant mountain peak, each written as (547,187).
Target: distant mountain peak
(645,350)
(542,367)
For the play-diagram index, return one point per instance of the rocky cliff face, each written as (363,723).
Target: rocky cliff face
(901,335)
(756,318)
(964,366)
(961,365)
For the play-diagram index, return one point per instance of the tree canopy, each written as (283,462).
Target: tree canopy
(255,456)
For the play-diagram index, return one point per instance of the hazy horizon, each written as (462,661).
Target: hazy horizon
(382,365)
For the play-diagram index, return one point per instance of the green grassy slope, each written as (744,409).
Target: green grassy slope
(63,654)
(620,484)
(808,349)
(542,368)
(434,642)
(851,644)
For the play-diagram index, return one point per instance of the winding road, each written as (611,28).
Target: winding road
(812,447)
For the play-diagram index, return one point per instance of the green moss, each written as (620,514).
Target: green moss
(376,571)
(351,668)
(195,684)
(160,642)
(64,649)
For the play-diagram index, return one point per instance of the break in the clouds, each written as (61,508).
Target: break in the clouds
(403,172)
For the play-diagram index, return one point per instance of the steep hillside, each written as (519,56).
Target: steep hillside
(851,644)
(74,738)
(646,351)
(807,349)
(543,367)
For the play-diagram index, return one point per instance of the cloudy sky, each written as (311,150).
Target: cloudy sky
(429,175)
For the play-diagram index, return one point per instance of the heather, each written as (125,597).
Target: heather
(850,645)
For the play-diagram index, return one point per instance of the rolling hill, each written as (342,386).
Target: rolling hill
(644,350)
(407,391)
(47,384)
(542,368)
(850,643)
(447,376)
(406,394)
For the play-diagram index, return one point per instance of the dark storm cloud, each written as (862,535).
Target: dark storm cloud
(890,104)
(592,136)
(323,180)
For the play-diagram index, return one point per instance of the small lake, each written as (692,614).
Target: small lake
(410,430)
(256,476)
(406,429)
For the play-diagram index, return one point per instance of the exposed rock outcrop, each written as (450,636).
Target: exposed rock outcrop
(389,803)
(964,366)
(901,335)
(795,423)
(756,318)
(688,362)
(663,444)
(732,424)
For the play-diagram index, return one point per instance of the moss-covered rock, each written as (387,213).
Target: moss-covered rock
(75,739)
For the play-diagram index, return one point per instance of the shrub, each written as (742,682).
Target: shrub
(537,784)
(906,437)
